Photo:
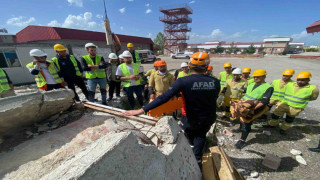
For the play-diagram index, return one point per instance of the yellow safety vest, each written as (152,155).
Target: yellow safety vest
(299,99)
(182,74)
(137,56)
(4,84)
(224,78)
(278,93)
(74,62)
(257,93)
(126,73)
(40,80)
(97,73)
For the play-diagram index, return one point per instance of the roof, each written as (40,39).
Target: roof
(277,39)
(315,27)
(235,43)
(6,34)
(34,33)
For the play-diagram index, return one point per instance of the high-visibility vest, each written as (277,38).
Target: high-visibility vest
(126,73)
(257,93)
(224,78)
(250,80)
(299,99)
(4,84)
(74,62)
(278,93)
(40,80)
(182,74)
(137,56)
(97,73)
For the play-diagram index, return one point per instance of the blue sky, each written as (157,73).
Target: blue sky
(227,20)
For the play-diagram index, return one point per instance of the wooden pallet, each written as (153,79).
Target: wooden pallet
(216,165)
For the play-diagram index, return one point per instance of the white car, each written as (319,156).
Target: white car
(180,56)
(146,55)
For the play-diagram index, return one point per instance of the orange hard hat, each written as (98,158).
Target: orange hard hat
(161,63)
(227,64)
(210,68)
(199,59)
(156,63)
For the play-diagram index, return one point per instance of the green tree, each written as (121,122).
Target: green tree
(219,49)
(158,43)
(251,49)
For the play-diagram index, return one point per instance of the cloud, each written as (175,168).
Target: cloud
(303,34)
(191,2)
(147,5)
(78,3)
(99,16)
(148,11)
(54,23)
(121,28)
(122,10)
(130,0)
(216,33)
(20,21)
(150,35)
(254,30)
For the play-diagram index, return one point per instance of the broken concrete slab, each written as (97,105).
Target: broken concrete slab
(271,161)
(99,146)
(26,109)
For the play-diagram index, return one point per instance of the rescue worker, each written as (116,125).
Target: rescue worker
(185,71)
(279,86)
(246,75)
(69,68)
(209,71)
(296,97)
(135,54)
(152,71)
(114,84)
(225,75)
(317,149)
(199,94)
(121,59)
(176,73)
(260,91)
(160,81)
(234,89)
(95,68)
(148,75)
(128,73)
(45,71)
(6,86)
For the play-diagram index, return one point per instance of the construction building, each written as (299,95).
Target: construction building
(176,19)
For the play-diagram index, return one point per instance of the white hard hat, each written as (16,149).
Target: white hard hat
(37,53)
(113,56)
(237,71)
(90,45)
(126,54)
(121,56)
(184,64)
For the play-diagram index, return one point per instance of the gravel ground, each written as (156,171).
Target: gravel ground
(305,133)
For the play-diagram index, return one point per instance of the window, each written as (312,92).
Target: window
(9,58)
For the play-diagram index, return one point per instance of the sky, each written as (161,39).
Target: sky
(225,20)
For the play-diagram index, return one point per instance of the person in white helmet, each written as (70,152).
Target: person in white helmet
(114,84)
(45,71)
(234,89)
(185,71)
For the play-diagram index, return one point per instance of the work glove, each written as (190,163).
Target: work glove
(220,101)
(235,88)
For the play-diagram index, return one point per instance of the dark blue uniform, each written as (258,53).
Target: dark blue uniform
(199,94)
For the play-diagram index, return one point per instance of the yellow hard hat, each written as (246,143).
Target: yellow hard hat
(129,45)
(303,75)
(246,70)
(227,64)
(59,47)
(288,72)
(259,72)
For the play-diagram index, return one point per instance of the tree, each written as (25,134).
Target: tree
(219,49)
(158,43)
(233,49)
(251,49)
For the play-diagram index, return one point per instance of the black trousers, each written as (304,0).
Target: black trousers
(80,83)
(245,128)
(196,138)
(113,85)
(54,86)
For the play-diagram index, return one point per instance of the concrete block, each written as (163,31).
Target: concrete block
(167,129)
(26,109)
(271,161)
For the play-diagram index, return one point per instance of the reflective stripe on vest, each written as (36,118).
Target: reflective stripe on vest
(257,93)
(98,73)
(182,74)
(4,84)
(74,62)
(126,73)
(224,78)
(299,99)
(278,93)
(40,80)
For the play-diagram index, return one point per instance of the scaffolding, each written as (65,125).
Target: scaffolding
(176,19)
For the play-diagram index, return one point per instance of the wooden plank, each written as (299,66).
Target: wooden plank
(209,171)
(224,171)
(139,119)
